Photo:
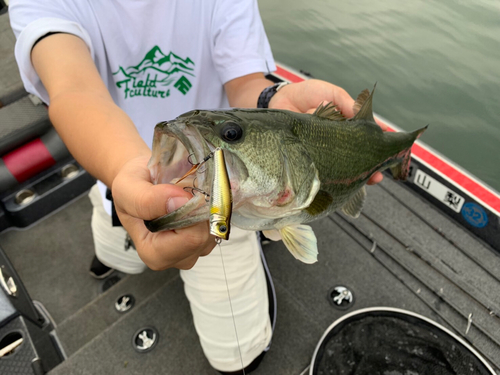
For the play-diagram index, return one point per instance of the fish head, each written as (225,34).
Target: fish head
(269,172)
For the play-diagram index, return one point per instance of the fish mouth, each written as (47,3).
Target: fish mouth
(177,147)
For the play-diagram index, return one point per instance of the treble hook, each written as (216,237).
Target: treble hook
(202,168)
(192,189)
(189,159)
(195,167)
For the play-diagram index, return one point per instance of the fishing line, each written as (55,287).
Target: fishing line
(218,241)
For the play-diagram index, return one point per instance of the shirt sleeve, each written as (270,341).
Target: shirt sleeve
(31,20)
(240,45)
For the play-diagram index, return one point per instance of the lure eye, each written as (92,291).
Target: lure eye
(231,132)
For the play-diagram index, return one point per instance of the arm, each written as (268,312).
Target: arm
(105,141)
(302,97)
(81,109)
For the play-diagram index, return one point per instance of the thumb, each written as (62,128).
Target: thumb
(135,195)
(173,203)
(145,201)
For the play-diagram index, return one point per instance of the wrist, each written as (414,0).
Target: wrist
(268,93)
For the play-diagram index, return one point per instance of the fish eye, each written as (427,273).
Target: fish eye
(231,132)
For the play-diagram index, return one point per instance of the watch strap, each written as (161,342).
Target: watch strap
(266,94)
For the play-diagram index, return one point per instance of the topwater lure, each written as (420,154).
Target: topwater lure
(221,200)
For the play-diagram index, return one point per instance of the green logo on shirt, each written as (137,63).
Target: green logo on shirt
(154,74)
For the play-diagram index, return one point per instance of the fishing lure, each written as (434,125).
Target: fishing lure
(221,199)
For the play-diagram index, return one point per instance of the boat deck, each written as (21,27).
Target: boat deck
(401,252)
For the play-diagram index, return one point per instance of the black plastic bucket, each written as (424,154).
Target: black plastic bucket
(383,340)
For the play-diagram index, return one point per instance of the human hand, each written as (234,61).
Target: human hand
(305,97)
(137,199)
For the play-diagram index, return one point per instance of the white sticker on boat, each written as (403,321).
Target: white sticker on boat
(438,190)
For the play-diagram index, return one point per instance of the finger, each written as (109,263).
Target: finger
(149,202)
(190,262)
(315,91)
(135,195)
(344,102)
(375,179)
(312,110)
(185,246)
(187,263)
(208,250)
(169,248)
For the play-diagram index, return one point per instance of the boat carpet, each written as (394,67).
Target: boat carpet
(11,86)
(304,311)
(53,258)
(401,252)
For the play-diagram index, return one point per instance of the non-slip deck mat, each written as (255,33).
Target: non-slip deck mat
(53,257)
(11,86)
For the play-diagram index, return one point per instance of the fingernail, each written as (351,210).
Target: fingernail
(176,202)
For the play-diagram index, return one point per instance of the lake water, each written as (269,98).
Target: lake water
(435,62)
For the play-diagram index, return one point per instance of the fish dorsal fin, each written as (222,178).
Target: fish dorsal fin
(321,202)
(355,204)
(301,241)
(329,111)
(365,112)
(360,100)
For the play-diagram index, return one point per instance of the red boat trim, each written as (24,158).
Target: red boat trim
(287,75)
(447,170)
(458,178)
(28,160)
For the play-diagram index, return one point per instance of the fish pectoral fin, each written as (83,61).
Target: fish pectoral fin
(354,205)
(329,111)
(272,234)
(301,241)
(321,202)
(365,111)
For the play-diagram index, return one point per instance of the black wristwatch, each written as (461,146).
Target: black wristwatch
(266,94)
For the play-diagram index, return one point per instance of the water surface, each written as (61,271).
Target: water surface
(435,62)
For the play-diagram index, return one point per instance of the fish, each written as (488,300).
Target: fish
(285,169)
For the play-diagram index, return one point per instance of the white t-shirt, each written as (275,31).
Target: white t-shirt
(158,59)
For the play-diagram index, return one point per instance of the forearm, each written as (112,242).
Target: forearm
(97,132)
(243,92)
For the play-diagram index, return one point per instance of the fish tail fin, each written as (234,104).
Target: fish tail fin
(400,171)
(418,133)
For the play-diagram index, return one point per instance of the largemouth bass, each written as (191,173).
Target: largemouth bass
(285,168)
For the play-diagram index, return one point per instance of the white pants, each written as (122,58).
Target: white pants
(206,290)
